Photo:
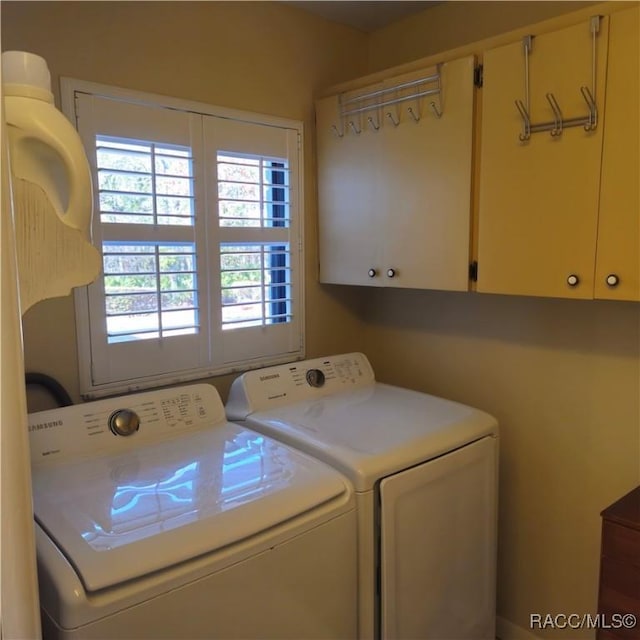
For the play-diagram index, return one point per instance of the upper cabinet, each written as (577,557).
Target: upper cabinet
(540,176)
(559,195)
(394,180)
(555,190)
(618,251)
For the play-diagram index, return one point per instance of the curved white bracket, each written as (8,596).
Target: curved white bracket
(46,150)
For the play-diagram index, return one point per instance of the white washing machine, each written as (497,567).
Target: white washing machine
(425,474)
(156,518)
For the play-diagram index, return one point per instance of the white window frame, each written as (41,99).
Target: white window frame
(70,87)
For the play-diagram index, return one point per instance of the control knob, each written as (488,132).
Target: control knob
(124,422)
(315,378)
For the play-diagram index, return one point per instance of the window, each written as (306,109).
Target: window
(198,217)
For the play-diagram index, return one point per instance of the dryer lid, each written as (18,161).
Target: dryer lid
(373,432)
(122,516)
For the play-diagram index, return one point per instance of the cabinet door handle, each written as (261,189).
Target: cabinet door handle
(613,280)
(372,273)
(391,273)
(573,280)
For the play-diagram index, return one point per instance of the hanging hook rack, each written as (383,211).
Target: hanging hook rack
(555,127)
(393,95)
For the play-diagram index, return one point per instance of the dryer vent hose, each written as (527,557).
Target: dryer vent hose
(52,386)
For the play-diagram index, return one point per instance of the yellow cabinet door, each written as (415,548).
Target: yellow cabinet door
(394,181)
(349,213)
(427,184)
(618,257)
(538,202)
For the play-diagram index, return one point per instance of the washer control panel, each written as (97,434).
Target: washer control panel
(305,380)
(117,424)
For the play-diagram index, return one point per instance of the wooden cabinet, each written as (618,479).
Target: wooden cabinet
(619,592)
(556,207)
(557,204)
(538,206)
(618,248)
(394,181)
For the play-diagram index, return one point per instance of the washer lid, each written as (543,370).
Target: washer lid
(119,517)
(372,432)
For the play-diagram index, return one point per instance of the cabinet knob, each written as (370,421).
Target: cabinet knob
(391,273)
(372,273)
(613,280)
(573,280)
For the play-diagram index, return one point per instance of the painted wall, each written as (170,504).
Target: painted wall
(562,377)
(454,24)
(257,56)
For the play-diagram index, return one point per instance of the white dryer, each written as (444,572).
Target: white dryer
(425,473)
(156,518)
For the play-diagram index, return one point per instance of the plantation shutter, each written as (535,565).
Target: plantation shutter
(147,314)
(198,215)
(253,188)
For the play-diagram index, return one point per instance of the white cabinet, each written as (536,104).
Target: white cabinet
(394,180)
(350,214)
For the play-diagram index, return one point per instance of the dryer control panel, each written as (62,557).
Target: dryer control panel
(288,383)
(117,424)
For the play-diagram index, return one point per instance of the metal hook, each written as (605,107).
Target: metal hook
(436,110)
(373,124)
(335,131)
(523,107)
(558,124)
(593,109)
(557,115)
(413,114)
(393,119)
(526,121)
(355,129)
(527,46)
